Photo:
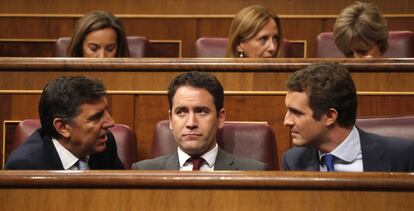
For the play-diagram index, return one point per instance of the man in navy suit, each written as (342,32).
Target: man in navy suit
(74,133)
(321,103)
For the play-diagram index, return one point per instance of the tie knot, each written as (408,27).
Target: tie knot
(328,160)
(197,163)
(83,163)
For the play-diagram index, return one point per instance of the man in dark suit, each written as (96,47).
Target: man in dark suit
(321,106)
(196,113)
(74,133)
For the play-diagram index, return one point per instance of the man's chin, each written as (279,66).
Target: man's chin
(193,150)
(298,142)
(100,148)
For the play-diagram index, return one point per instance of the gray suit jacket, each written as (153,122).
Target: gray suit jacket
(224,161)
(379,153)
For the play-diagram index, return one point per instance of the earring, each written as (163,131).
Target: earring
(241,55)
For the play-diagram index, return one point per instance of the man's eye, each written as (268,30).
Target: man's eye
(179,113)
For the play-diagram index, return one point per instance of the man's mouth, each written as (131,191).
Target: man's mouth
(191,135)
(102,137)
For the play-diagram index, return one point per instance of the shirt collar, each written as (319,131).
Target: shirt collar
(349,149)
(66,157)
(209,157)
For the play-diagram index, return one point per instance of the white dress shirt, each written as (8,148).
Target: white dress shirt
(69,161)
(208,165)
(348,155)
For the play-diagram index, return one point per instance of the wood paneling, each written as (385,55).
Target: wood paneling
(8,134)
(161,190)
(302,29)
(165,29)
(194,7)
(122,109)
(213,27)
(150,109)
(26,49)
(235,74)
(164,48)
(35,27)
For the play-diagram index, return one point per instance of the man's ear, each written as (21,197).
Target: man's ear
(62,127)
(169,117)
(331,116)
(221,118)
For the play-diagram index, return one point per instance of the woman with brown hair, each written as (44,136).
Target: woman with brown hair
(98,34)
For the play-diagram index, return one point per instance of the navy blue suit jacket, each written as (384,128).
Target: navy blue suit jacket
(39,153)
(379,153)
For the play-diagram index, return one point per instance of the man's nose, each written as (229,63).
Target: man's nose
(191,121)
(287,122)
(108,120)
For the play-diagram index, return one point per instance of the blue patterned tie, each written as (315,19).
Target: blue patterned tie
(328,160)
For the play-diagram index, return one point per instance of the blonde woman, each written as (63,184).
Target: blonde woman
(255,32)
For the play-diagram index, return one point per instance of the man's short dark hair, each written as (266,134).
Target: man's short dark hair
(198,80)
(62,97)
(328,85)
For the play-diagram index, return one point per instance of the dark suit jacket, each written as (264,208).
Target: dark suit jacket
(39,153)
(224,161)
(379,153)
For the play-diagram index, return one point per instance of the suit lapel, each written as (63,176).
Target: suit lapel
(310,160)
(171,162)
(54,161)
(224,161)
(372,153)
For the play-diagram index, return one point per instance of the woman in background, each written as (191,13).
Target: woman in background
(361,31)
(255,32)
(98,34)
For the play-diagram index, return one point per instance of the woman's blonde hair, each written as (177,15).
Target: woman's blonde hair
(246,24)
(93,21)
(360,22)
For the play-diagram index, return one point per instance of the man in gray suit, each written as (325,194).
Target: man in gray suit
(196,113)
(321,106)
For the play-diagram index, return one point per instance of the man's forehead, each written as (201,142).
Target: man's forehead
(93,104)
(192,93)
(294,98)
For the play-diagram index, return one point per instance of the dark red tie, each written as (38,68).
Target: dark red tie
(197,163)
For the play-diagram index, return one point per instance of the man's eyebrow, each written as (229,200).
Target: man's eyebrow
(97,115)
(179,108)
(202,108)
(294,110)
